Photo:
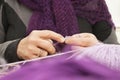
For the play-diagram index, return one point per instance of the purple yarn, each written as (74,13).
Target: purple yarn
(63,67)
(99,62)
(61,15)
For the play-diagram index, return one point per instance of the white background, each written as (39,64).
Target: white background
(114,8)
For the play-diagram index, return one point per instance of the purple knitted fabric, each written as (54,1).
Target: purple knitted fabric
(63,67)
(61,15)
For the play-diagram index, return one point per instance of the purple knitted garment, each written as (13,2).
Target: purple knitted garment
(61,15)
(69,66)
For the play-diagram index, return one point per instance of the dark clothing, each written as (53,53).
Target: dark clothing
(1,1)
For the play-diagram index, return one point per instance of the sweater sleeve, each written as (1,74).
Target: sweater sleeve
(11,52)
(105,32)
(6,47)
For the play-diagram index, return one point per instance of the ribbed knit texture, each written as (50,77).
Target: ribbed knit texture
(61,15)
(106,54)
(70,66)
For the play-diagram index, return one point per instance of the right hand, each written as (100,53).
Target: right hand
(38,44)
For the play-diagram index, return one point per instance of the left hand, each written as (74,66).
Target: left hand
(82,39)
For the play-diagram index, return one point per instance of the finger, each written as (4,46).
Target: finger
(29,56)
(43,53)
(51,35)
(31,51)
(50,41)
(78,41)
(46,45)
(85,35)
(85,42)
(33,57)
(72,41)
(38,52)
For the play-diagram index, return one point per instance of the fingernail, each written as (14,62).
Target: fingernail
(62,39)
(66,38)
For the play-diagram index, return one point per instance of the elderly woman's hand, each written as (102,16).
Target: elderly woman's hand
(82,39)
(38,44)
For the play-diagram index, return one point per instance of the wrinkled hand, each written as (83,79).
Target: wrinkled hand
(82,39)
(38,44)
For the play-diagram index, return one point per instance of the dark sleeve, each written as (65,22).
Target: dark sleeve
(102,30)
(11,52)
(1,1)
(84,25)
(14,29)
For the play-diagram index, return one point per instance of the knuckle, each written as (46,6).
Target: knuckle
(25,56)
(33,33)
(48,34)
(50,47)
(32,39)
(46,43)
(52,50)
(45,53)
(30,49)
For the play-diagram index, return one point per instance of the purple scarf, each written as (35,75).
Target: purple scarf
(61,15)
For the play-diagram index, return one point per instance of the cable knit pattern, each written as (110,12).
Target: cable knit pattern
(61,15)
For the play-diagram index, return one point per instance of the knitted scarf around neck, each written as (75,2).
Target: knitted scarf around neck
(61,15)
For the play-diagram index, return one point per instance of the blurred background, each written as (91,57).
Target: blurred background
(114,8)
